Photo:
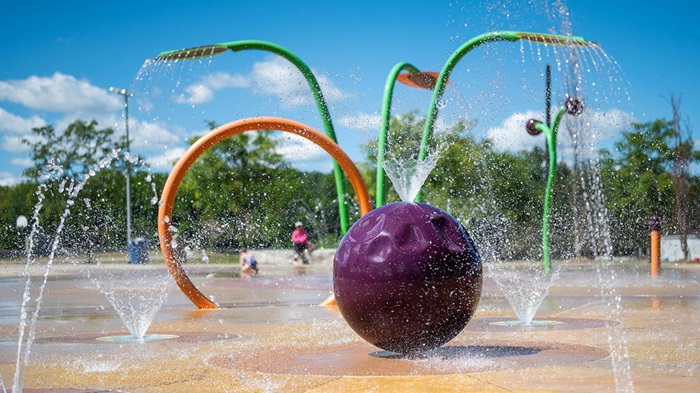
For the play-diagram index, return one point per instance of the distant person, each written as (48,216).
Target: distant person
(300,240)
(248,263)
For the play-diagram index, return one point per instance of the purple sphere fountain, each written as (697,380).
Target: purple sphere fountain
(407,277)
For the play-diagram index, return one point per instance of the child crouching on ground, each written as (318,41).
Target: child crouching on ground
(248,263)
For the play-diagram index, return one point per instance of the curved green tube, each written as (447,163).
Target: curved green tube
(236,46)
(466,48)
(386,114)
(551,138)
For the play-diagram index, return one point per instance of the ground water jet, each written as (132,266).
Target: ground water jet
(525,287)
(135,296)
(71,188)
(137,292)
(408,175)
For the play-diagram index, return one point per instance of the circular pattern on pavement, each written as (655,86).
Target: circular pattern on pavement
(362,359)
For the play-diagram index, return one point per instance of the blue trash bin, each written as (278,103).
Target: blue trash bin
(138,250)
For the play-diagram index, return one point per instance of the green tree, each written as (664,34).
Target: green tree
(683,157)
(98,217)
(242,192)
(15,200)
(80,146)
(638,183)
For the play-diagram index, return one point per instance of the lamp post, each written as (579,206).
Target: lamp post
(126,94)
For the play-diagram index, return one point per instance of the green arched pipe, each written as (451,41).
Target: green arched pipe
(574,107)
(466,48)
(236,46)
(386,114)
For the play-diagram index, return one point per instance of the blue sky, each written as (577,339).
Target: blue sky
(59,60)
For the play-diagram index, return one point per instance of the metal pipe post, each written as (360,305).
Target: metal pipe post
(124,93)
(655,226)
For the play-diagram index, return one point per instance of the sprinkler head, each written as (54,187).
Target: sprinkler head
(193,53)
(551,39)
(574,106)
(422,80)
(531,127)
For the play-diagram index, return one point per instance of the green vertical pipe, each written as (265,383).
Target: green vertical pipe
(237,46)
(551,137)
(386,114)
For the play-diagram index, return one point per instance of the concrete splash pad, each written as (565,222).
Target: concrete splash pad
(271,336)
(361,359)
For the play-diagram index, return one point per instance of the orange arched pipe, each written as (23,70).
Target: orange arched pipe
(215,136)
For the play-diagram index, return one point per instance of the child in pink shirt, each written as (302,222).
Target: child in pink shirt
(300,239)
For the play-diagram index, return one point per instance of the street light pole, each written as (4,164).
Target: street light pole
(124,93)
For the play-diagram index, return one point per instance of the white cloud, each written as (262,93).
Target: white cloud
(609,124)
(331,92)
(511,134)
(223,80)
(361,122)
(195,94)
(63,99)
(278,78)
(23,162)
(13,144)
(150,136)
(17,124)
(275,77)
(59,93)
(298,150)
(166,161)
(598,127)
(144,135)
(204,91)
(8,179)
(372,122)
